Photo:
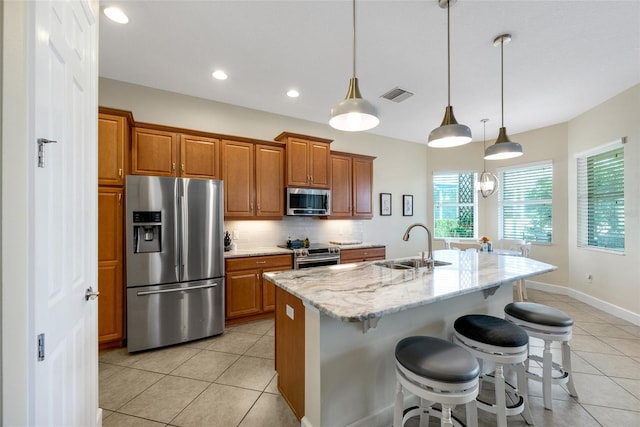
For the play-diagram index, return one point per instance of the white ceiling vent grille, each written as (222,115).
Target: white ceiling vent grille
(397,95)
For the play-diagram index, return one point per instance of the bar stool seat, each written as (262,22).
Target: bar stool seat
(500,342)
(436,371)
(548,324)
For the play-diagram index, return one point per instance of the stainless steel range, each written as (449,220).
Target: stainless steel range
(316,255)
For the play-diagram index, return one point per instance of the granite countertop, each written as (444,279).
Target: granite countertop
(268,250)
(362,291)
(275,250)
(359,245)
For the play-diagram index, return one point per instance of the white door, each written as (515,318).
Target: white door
(64,214)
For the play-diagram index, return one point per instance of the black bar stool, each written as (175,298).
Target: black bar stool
(502,343)
(436,371)
(548,324)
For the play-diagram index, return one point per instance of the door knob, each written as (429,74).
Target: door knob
(91,294)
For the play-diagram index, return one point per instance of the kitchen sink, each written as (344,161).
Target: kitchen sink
(408,264)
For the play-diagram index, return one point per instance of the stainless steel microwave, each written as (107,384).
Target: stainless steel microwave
(308,201)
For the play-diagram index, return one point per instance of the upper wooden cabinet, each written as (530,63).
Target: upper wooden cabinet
(351,185)
(113,145)
(308,160)
(253,177)
(163,153)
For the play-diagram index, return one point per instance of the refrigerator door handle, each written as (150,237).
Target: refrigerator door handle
(183,233)
(177,241)
(164,291)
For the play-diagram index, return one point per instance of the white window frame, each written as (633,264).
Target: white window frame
(475,203)
(501,203)
(582,239)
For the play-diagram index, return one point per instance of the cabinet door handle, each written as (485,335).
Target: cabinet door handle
(120,172)
(119,198)
(183,168)
(261,262)
(257,276)
(173,167)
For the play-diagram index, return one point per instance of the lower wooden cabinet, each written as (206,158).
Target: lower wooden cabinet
(361,255)
(290,354)
(248,295)
(110,267)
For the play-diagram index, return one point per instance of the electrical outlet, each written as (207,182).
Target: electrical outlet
(235,234)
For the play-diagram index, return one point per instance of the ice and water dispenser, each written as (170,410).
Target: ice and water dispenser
(147,231)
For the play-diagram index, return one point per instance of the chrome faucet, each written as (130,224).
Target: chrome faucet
(429,239)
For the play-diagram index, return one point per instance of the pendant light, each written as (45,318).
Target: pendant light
(450,133)
(354,113)
(487,182)
(503,148)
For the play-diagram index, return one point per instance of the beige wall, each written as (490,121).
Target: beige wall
(538,145)
(407,168)
(616,278)
(398,169)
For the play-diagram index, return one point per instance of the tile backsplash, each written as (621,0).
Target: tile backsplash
(255,234)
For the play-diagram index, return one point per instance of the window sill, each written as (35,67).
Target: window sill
(601,250)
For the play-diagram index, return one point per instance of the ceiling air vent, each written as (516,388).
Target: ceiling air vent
(397,95)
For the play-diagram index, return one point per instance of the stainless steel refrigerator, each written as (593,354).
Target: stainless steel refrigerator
(175,265)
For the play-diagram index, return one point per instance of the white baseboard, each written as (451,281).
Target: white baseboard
(607,307)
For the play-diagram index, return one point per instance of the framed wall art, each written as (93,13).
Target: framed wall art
(385,204)
(407,203)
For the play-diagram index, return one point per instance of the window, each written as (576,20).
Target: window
(525,203)
(601,198)
(454,204)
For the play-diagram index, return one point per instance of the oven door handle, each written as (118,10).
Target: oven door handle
(165,291)
(316,259)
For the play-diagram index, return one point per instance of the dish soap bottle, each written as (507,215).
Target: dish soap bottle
(306,242)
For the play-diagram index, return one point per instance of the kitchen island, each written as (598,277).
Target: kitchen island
(337,327)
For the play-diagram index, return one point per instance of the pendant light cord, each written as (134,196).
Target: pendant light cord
(354,38)
(448,55)
(484,143)
(502,78)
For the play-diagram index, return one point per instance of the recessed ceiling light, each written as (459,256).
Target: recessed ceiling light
(116,15)
(292,93)
(219,75)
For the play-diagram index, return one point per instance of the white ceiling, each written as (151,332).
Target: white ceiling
(565,57)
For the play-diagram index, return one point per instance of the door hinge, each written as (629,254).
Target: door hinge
(41,142)
(40,347)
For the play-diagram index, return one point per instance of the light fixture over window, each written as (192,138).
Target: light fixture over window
(354,113)
(450,133)
(487,182)
(503,148)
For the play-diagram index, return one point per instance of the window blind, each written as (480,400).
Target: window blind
(525,203)
(454,205)
(601,198)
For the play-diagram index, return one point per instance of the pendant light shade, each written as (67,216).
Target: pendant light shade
(503,148)
(354,113)
(450,133)
(487,182)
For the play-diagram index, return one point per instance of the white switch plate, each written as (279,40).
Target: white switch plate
(290,311)
(235,234)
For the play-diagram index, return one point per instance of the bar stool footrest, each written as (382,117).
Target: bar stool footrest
(563,378)
(415,411)
(511,390)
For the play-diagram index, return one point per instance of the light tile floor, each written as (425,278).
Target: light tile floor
(230,380)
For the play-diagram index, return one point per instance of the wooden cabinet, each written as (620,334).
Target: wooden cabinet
(113,146)
(199,157)
(362,254)
(308,160)
(164,153)
(351,185)
(290,350)
(110,266)
(247,295)
(253,177)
